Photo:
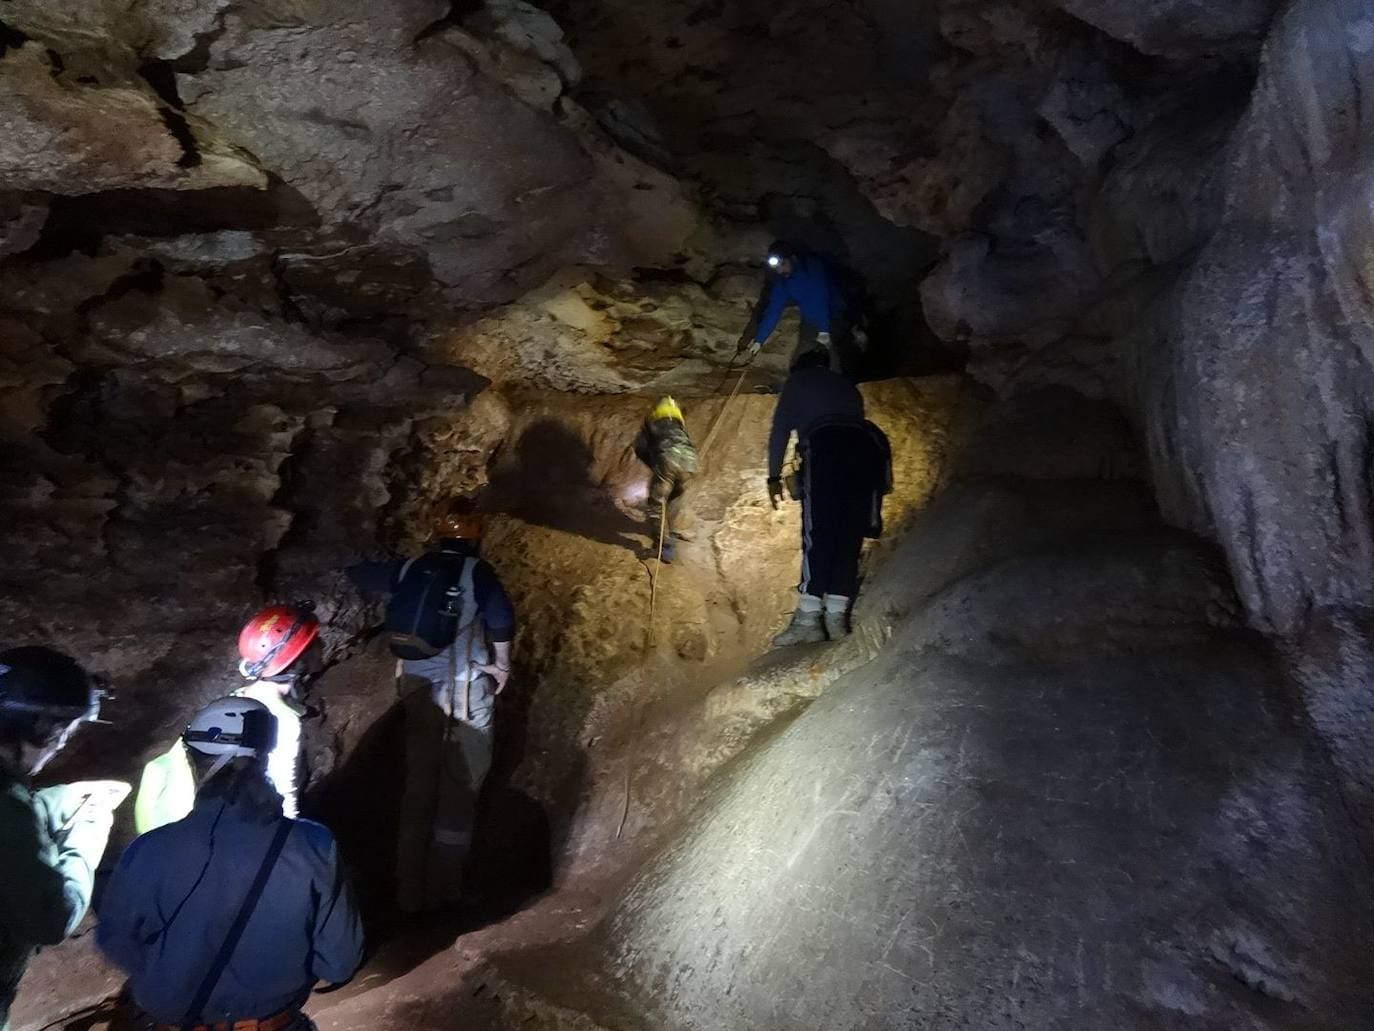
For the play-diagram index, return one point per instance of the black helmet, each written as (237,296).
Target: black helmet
(39,683)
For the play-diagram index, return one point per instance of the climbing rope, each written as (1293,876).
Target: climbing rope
(653,575)
(720,415)
(648,646)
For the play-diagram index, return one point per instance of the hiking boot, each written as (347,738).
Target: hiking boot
(836,611)
(805,628)
(669,551)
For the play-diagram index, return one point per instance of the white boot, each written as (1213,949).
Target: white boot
(836,609)
(805,627)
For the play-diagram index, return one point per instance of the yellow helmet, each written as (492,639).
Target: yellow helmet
(667,409)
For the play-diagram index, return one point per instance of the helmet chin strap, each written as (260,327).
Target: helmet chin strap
(220,763)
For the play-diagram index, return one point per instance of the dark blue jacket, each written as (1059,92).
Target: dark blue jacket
(493,602)
(813,287)
(810,396)
(177,890)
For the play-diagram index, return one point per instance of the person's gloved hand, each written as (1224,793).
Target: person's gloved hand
(775,491)
(823,339)
(747,345)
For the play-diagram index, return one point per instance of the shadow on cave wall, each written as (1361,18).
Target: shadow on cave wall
(546,479)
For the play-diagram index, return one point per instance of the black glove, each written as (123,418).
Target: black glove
(775,490)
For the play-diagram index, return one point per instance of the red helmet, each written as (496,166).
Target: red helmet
(275,638)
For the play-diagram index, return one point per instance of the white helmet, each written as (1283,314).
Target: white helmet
(233,728)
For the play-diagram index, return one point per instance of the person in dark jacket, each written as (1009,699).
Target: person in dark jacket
(843,474)
(51,840)
(820,291)
(174,901)
(664,446)
(449,716)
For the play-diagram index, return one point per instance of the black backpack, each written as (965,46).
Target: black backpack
(423,613)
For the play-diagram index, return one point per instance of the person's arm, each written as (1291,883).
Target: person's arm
(46,881)
(771,308)
(498,613)
(784,421)
(643,446)
(337,938)
(378,577)
(122,929)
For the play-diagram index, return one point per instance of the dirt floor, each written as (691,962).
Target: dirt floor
(611,726)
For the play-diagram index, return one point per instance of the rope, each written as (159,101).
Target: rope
(653,577)
(720,416)
(648,644)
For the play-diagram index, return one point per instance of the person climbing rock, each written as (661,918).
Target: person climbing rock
(450,623)
(51,840)
(664,446)
(280,652)
(231,915)
(827,296)
(845,469)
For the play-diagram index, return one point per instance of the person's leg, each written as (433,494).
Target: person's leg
(852,495)
(675,530)
(424,735)
(843,358)
(467,754)
(659,509)
(806,624)
(806,340)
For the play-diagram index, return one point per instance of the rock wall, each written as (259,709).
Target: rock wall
(1173,213)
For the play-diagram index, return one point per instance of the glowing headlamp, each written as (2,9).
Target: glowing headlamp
(774,261)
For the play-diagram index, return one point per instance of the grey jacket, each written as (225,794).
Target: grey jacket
(45,885)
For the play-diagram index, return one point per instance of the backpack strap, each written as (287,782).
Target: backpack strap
(231,940)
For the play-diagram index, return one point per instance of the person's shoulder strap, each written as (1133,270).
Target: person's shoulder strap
(231,940)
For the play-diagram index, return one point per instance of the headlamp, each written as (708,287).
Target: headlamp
(774,261)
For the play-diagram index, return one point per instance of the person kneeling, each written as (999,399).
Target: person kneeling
(229,916)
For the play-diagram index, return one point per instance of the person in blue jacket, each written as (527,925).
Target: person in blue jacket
(180,915)
(817,286)
(451,623)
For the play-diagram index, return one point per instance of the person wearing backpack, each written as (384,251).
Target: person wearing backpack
(664,446)
(228,917)
(450,622)
(845,470)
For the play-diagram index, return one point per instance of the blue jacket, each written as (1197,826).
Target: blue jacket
(176,891)
(813,287)
(810,396)
(493,602)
